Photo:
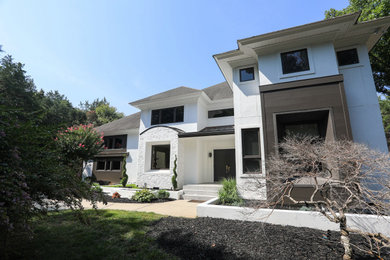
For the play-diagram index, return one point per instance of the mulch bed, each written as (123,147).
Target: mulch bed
(126,200)
(209,238)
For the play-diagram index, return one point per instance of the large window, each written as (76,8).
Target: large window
(109,164)
(347,57)
(115,142)
(247,74)
(295,61)
(221,113)
(168,115)
(160,157)
(251,150)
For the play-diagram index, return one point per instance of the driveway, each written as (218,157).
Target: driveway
(176,208)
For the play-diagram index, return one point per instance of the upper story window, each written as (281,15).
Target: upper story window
(295,61)
(347,57)
(168,115)
(221,113)
(247,74)
(115,142)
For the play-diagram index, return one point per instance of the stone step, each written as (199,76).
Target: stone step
(202,187)
(198,197)
(203,192)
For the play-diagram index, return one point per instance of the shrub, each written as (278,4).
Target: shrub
(162,194)
(144,195)
(174,177)
(228,194)
(125,177)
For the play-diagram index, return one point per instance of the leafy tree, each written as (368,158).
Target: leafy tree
(100,112)
(385,111)
(380,54)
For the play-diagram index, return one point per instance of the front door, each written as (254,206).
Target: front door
(224,164)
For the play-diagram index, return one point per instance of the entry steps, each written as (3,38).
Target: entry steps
(201,192)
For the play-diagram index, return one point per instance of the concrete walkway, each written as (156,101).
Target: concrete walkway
(176,208)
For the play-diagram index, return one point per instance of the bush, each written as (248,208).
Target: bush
(125,177)
(162,194)
(144,195)
(228,195)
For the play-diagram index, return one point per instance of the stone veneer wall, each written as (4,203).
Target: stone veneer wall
(156,178)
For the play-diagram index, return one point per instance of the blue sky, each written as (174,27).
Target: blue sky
(127,50)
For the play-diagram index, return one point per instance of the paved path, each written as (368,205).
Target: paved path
(176,208)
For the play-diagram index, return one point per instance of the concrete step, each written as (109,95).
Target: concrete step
(203,192)
(198,197)
(203,187)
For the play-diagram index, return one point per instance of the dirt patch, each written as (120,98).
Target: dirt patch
(209,238)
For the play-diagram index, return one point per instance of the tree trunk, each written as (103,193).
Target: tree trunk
(344,238)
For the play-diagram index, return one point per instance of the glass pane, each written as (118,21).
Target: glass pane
(179,114)
(247,74)
(118,142)
(160,156)
(295,61)
(155,117)
(250,139)
(221,113)
(108,142)
(100,165)
(347,57)
(108,165)
(167,115)
(116,165)
(251,165)
(309,129)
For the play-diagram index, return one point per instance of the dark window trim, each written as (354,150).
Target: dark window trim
(346,50)
(169,157)
(106,159)
(211,112)
(258,156)
(287,52)
(113,137)
(253,68)
(160,115)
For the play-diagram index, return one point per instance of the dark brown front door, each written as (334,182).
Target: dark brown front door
(224,164)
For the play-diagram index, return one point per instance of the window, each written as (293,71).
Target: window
(347,57)
(295,61)
(109,164)
(247,74)
(168,115)
(115,142)
(160,157)
(251,150)
(221,113)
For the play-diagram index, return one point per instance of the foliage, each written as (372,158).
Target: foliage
(162,194)
(143,195)
(112,234)
(379,55)
(79,142)
(129,185)
(345,176)
(125,177)
(174,177)
(384,105)
(100,112)
(228,194)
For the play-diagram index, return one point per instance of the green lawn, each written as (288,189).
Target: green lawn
(111,234)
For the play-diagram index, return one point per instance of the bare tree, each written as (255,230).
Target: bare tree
(344,177)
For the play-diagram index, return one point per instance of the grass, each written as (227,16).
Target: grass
(111,234)
(133,186)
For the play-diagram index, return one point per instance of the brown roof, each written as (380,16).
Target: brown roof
(125,123)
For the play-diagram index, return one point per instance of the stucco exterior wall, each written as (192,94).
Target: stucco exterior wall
(132,158)
(156,178)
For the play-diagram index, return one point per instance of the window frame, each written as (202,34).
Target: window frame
(300,73)
(152,155)
(159,111)
(251,157)
(110,160)
(351,64)
(241,69)
(217,110)
(284,64)
(112,139)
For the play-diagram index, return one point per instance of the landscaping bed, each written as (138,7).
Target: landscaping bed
(127,200)
(209,238)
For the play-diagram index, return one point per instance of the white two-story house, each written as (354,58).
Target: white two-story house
(312,79)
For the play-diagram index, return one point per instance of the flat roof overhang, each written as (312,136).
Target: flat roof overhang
(209,131)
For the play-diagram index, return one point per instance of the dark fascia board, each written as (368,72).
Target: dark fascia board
(170,127)
(301,83)
(201,134)
(117,153)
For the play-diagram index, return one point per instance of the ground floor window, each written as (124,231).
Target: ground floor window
(109,164)
(160,157)
(251,156)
